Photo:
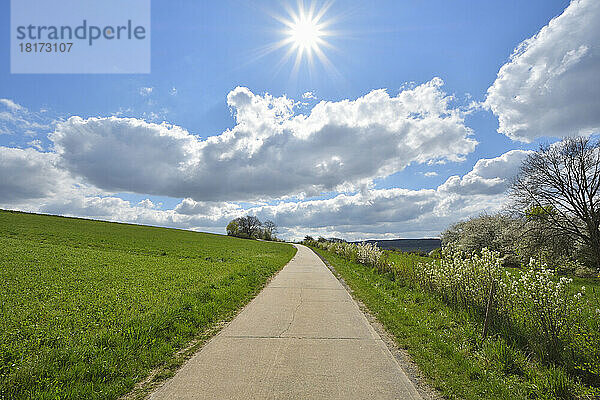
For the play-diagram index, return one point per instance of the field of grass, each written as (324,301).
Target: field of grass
(89,308)
(445,341)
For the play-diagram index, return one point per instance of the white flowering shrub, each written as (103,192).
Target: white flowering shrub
(542,303)
(368,254)
(535,301)
(364,253)
(460,279)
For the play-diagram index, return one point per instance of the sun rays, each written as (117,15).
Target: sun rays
(304,37)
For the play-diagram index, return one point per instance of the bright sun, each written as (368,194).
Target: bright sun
(305,35)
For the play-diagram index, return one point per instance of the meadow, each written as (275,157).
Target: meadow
(436,309)
(89,308)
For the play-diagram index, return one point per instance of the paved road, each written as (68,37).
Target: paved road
(302,337)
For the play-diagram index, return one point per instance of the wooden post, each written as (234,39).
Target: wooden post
(488,309)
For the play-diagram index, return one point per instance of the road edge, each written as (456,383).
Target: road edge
(159,376)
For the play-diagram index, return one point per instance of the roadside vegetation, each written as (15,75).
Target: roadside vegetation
(542,338)
(554,216)
(517,292)
(89,308)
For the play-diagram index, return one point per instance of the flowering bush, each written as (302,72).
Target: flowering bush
(534,302)
(364,253)
(461,279)
(542,304)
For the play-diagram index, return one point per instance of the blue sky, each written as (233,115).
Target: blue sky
(202,51)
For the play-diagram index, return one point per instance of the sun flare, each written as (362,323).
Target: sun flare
(305,35)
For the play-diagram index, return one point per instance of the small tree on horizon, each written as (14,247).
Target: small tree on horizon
(233,228)
(251,227)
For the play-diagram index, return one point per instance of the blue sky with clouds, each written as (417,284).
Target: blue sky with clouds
(350,160)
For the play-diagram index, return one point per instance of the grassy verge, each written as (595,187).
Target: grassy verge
(89,308)
(446,342)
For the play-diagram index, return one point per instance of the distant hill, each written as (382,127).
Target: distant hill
(424,245)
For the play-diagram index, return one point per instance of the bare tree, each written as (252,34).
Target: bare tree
(563,181)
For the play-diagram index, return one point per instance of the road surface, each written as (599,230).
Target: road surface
(302,337)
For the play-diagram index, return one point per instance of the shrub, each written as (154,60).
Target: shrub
(496,232)
(534,304)
(436,254)
(542,305)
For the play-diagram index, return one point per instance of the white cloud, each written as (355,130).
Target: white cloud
(146,91)
(379,213)
(271,152)
(16,119)
(125,154)
(214,208)
(173,91)
(11,105)
(308,95)
(27,174)
(489,176)
(31,181)
(550,85)
(430,174)
(111,208)
(147,203)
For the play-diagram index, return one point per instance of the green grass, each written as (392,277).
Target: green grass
(592,291)
(89,308)
(445,341)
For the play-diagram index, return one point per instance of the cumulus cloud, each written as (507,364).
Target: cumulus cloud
(271,152)
(379,213)
(124,154)
(27,174)
(550,85)
(489,176)
(373,208)
(147,203)
(214,208)
(110,208)
(31,181)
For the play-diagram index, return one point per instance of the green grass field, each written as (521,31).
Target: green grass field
(445,341)
(89,308)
